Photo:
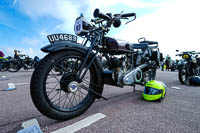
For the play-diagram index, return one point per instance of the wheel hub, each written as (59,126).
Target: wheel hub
(73,86)
(68,83)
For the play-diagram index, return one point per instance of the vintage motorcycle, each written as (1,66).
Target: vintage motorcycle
(189,66)
(23,61)
(72,75)
(4,64)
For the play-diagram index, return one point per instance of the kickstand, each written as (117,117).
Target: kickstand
(133,88)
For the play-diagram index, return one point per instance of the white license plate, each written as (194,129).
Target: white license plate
(61,37)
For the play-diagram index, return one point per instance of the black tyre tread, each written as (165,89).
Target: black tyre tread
(5,68)
(180,77)
(39,101)
(16,70)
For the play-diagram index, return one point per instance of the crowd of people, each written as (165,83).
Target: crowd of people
(169,64)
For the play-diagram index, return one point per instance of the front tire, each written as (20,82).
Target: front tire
(55,93)
(13,66)
(182,75)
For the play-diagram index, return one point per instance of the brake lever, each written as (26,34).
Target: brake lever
(131,20)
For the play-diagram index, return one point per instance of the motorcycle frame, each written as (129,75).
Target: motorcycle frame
(96,43)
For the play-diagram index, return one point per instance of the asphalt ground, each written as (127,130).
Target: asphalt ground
(126,111)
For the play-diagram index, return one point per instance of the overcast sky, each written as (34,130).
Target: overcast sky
(24,24)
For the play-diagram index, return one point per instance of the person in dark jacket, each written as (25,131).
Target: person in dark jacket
(16,55)
(167,62)
(1,56)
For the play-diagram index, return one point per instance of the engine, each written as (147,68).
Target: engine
(126,74)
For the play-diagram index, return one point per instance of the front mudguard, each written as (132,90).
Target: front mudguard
(60,46)
(71,46)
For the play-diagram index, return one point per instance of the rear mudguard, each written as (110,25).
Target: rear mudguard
(69,46)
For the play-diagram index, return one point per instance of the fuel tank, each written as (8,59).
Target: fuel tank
(115,45)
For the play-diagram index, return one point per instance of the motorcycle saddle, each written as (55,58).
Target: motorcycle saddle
(112,44)
(149,42)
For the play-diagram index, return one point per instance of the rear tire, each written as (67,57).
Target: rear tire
(44,72)
(4,66)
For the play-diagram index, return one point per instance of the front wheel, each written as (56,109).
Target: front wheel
(13,66)
(56,89)
(182,75)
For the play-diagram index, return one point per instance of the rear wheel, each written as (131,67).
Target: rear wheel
(55,87)
(4,66)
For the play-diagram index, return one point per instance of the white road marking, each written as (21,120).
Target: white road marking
(31,129)
(3,76)
(81,124)
(30,123)
(173,87)
(11,86)
(21,83)
(30,126)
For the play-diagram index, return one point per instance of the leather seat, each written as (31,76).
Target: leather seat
(149,42)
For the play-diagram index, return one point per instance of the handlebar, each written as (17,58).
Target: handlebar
(128,15)
(97,13)
(108,16)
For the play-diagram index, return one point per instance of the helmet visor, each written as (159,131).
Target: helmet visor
(152,91)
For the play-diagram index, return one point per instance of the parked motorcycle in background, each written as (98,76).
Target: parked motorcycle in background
(189,66)
(4,64)
(23,61)
(68,80)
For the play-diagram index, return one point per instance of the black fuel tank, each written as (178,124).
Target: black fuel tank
(114,44)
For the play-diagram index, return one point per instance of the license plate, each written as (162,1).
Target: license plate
(61,37)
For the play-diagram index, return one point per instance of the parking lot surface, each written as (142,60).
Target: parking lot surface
(125,111)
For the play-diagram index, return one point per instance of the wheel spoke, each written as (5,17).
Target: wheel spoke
(75,99)
(61,98)
(65,99)
(53,89)
(71,105)
(55,76)
(56,85)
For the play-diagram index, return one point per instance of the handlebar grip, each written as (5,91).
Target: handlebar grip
(97,13)
(128,15)
(103,16)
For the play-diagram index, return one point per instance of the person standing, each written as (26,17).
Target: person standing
(167,61)
(16,55)
(1,58)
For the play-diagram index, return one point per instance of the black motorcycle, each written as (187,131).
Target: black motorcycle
(4,64)
(68,80)
(23,61)
(189,66)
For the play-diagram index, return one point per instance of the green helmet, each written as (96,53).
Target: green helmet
(154,90)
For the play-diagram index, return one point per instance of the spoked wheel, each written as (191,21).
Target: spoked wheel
(13,66)
(56,88)
(182,75)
